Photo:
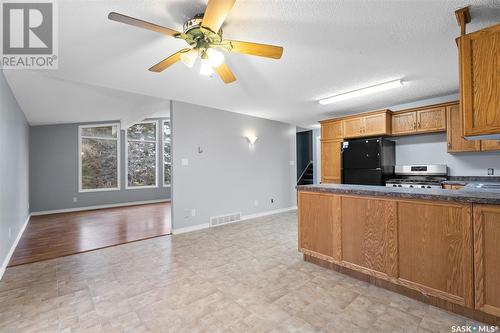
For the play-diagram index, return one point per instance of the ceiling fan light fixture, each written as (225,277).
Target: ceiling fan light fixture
(206,69)
(189,58)
(215,57)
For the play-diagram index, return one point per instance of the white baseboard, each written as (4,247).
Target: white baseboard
(269,212)
(189,229)
(78,209)
(13,247)
(243,218)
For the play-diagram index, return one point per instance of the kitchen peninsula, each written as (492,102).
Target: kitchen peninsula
(438,246)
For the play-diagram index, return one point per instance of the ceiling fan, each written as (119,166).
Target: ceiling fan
(203,33)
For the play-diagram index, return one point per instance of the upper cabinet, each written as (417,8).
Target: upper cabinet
(479,58)
(420,120)
(371,124)
(331,130)
(456,143)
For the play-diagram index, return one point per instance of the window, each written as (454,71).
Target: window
(99,157)
(141,155)
(167,153)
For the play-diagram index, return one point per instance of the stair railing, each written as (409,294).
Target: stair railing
(304,172)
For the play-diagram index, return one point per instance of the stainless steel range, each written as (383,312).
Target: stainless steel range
(419,176)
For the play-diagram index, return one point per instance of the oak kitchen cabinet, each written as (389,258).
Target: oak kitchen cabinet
(330,161)
(479,61)
(487,258)
(456,142)
(419,244)
(331,130)
(421,120)
(371,124)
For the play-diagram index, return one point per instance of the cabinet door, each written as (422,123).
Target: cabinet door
(431,120)
(369,234)
(376,125)
(404,123)
(487,145)
(353,127)
(480,81)
(435,242)
(331,130)
(487,258)
(319,223)
(330,161)
(456,143)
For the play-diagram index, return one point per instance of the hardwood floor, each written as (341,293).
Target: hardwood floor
(58,235)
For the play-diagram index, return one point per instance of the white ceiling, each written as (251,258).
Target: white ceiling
(330,47)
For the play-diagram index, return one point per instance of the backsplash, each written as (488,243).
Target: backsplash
(432,149)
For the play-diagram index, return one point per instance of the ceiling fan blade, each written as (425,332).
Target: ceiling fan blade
(142,24)
(255,49)
(225,73)
(167,62)
(216,13)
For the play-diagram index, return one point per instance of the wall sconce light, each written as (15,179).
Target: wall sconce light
(252,139)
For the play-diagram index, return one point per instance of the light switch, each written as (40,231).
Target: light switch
(292,162)
(184,161)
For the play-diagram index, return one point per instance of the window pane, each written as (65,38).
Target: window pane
(102,132)
(99,163)
(141,163)
(142,132)
(167,153)
(167,169)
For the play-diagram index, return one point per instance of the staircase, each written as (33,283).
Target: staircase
(307,175)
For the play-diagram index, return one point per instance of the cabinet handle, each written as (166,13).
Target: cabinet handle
(419,124)
(449,144)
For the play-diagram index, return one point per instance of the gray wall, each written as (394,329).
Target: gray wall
(14,162)
(54,173)
(431,149)
(229,175)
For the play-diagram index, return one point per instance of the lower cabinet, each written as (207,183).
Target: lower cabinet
(369,234)
(435,242)
(487,258)
(319,224)
(423,245)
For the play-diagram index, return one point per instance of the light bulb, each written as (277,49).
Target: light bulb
(206,68)
(189,58)
(215,57)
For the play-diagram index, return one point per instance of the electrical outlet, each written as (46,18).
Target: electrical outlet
(193,212)
(184,162)
(75,199)
(256,202)
(491,171)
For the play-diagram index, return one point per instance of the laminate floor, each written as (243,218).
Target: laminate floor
(242,277)
(57,235)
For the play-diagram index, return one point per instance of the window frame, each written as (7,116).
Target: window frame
(118,157)
(156,142)
(168,120)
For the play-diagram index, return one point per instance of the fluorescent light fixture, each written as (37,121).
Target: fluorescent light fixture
(362,92)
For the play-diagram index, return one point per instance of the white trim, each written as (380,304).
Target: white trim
(13,247)
(156,142)
(190,229)
(78,209)
(163,151)
(118,156)
(269,212)
(243,218)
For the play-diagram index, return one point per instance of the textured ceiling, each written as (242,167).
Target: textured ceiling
(330,47)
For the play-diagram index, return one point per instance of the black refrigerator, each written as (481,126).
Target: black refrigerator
(367,161)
